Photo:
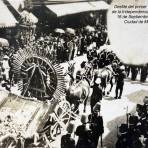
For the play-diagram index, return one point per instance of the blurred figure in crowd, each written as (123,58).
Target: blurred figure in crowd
(134,72)
(67,141)
(96,94)
(120,76)
(97,126)
(84,141)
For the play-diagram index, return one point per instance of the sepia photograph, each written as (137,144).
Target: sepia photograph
(73,74)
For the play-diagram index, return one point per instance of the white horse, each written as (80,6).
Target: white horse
(106,75)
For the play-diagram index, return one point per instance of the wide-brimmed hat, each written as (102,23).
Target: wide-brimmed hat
(98,81)
(59,30)
(6,57)
(122,67)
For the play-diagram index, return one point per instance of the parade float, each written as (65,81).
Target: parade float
(41,111)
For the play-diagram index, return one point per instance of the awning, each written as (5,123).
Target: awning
(73,8)
(6,17)
(99,5)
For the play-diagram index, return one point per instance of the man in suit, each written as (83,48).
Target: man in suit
(120,76)
(123,139)
(83,133)
(97,126)
(96,94)
(67,141)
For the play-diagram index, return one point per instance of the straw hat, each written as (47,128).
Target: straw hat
(98,81)
(122,68)
(6,57)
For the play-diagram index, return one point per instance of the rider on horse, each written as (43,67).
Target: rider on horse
(85,71)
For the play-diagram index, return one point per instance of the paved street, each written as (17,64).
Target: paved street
(114,110)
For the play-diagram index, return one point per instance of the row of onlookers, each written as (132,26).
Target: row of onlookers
(134,134)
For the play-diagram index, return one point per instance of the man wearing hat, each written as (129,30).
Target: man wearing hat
(134,72)
(96,94)
(81,71)
(67,141)
(134,134)
(139,110)
(71,46)
(145,101)
(97,126)
(123,141)
(144,73)
(120,76)
(84,139)
(133,131)
(128,137)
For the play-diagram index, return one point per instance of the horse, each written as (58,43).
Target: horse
(78,92)
(106,75)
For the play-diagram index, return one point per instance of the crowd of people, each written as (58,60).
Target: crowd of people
(105,66)
(58,46)
(89,132)
(134,134)
(64,46)
(135,70)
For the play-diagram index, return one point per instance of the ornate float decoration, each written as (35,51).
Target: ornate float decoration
(37,76)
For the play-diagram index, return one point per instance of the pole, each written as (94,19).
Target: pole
(127,115)
(117,131)
(101,141)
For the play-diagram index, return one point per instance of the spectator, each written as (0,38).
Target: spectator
(134,72)
(120,76)
(97,126)
(123,141)
(144,73)
(96,94)
(67,141)
(84,141)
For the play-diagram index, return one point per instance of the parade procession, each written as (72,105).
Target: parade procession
(64,80)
